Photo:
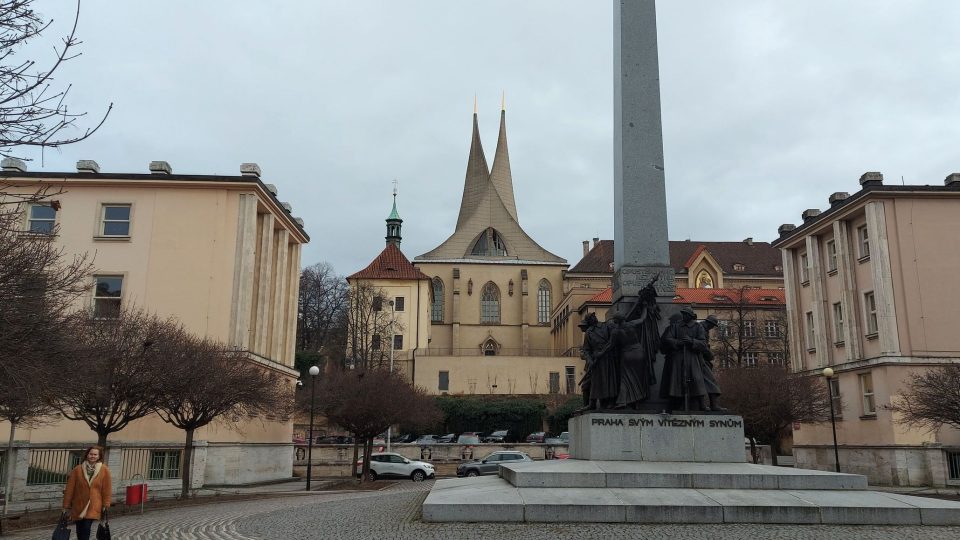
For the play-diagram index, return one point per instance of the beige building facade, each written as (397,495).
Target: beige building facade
(219,253)
(868,295)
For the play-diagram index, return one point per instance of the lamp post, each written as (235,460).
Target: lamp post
(314,371)
(828,374)
(393,315)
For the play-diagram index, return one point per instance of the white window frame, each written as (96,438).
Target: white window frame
(870,313)
(544,301)
(399,303)
(96,299)
(863,242)
(749,328)
(868,394)
(771,329)
(31,219)
(751,358)
(777,358)
(811,332)
(102,232)
(831,256)
(838,322)
(804,268)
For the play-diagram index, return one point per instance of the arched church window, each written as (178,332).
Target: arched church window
(489,243)
(490,304)
(543,302)
(490,347)
(704,280)
(436,303)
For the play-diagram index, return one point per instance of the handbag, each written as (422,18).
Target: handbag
(62,532)
(103,529)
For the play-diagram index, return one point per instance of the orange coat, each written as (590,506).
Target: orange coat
(84,499)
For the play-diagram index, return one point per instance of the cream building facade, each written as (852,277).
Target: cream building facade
(219,253)
(868,294)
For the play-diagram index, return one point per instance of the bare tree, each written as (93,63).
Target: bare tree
(372,323)
(322,318)
(743,331)
(22,407)
(367,402)
(931,398)
(32,111)
(202,381)
(771,399)
(116,377)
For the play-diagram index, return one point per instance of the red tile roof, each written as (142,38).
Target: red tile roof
(390,264)
(758,258)
(762,297)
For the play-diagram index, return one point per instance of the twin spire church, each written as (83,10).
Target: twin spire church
(479,304)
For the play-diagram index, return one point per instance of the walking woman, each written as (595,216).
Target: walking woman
(88,491)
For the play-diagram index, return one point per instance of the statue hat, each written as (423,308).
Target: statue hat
(689,311)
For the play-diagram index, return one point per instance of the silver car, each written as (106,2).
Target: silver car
(390,465)
(491,464)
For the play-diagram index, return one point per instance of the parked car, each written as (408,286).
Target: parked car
(426,439)
(537,437)
(406,438)
(448,438)
(563,438)
(391,465)
(497,437)
(468,439)
(335,439)
(491,464)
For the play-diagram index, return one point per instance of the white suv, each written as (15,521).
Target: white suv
(390,465)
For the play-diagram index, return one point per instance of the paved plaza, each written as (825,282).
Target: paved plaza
(395,513)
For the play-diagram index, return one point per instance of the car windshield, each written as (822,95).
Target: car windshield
(468,439)
(498,434)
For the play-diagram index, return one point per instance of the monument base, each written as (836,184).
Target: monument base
(705,438)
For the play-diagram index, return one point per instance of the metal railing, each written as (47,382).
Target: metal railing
(953,464)
(151,463)
(52,465)
(475,351)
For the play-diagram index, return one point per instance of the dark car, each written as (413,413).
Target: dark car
(491,464)
(497,437)
(405,438)
(448,438)
(467,438)
(335,439)
(537,437)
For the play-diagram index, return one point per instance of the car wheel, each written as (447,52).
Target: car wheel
(418,476)
(473,472)
(372,476)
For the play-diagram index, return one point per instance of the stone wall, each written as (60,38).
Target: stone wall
(236,464)
(882,465)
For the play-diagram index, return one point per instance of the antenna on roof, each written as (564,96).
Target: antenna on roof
(902,181)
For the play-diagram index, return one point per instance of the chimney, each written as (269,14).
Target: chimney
(786,229)
(838,198)
(13,164)
(586,247)
(160,167)
(88,166)
(809,214)
(595,242)
(287,206)
(871,179)
(748,241)
(952,180)
(272,188)
(250,169)
(299,221)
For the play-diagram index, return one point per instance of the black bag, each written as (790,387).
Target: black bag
(103,530)
(62,532)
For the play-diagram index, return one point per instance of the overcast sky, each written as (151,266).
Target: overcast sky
(768,107)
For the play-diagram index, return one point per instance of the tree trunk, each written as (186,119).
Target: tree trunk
(775,449)
(102,443)
(367,448)
(356,456)
(753,450)
(10,466)
(187,465)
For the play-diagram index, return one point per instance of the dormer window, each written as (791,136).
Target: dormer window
(489,244)
(738,267)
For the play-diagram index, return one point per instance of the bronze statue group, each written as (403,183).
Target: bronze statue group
(621,353)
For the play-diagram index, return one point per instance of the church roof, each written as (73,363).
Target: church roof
(757,258)
(488,213)
(394,216)
(390,264)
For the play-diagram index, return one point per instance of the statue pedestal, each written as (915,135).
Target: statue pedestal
(704,438)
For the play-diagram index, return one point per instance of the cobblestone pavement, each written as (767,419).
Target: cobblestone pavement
(395,513)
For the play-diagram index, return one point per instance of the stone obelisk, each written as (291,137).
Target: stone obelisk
(641,245)
(641,248)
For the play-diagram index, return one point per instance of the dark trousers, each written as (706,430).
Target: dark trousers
(83,528)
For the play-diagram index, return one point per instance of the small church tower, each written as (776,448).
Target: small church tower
(394,223)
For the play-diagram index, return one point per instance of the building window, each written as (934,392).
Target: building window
(863,241)
(571,378)
(776,358)
(866,388)
(543,302)
(953,464)
(750,359)
(378,303)
(42,219)
(436,303)
(115,220)
(749,329)
(870,310)
(398,303)
(723,328)
(804,268)
(490,304)
(375,342)
(554,382)
(831,256)
(836,401)
(164,464)
(490,244)
(398,342)
(838,323)
(811,336)
(444,383)
(107,293)
(739,267)
(771,329)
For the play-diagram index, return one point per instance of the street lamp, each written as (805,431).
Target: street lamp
(828,374)
(314,371)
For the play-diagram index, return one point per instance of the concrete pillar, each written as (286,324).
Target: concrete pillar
(264,283)
(21,457)
(820,321)
(291,309)
(278,330)
(199,465)
(882,279)
(846,272)
(797,351)
(244,265)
